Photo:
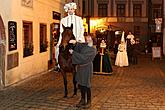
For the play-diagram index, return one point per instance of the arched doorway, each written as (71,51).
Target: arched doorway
(2,53)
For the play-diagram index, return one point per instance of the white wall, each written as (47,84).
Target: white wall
(40,13)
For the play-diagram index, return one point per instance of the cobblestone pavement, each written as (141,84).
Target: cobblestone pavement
(137,87)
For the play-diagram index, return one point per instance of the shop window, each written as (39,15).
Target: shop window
(43,38)
(27,39)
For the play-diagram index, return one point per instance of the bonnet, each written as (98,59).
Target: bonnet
(69,6)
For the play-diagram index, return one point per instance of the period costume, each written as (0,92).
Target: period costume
(130,42)
(106,61)
(122,58)
(135,53)
(83,56)
(78,28)
(130,36)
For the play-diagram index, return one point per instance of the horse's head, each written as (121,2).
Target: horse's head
(64,58)
(67,35)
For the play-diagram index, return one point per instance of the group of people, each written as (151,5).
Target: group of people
(84,52)
(127,51)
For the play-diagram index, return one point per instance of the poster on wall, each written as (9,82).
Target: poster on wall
(156,52)
(12,32)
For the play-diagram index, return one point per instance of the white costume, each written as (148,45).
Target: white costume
(122,58)
(131,38)
(78,28)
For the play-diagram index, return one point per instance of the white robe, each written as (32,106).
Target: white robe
(78,30)
(121,58)
(130,36)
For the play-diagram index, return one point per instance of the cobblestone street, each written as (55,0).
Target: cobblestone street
(137,87)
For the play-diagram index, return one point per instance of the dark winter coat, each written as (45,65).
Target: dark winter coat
(83,56)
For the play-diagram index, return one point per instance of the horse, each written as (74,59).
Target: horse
(64,58)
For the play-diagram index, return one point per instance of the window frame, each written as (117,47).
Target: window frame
(102,10)
(43,37)
(137,10)
(27,38)
(121,10)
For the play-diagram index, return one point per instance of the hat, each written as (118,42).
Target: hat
(70,5)
(122,37)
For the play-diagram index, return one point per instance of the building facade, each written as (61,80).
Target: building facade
(138,16)
(26,37)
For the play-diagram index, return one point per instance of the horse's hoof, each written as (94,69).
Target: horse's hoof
(74,95)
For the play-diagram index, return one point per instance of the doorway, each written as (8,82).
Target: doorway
(54,36)
(2,53)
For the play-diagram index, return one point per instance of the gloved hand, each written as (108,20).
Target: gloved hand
(72,41)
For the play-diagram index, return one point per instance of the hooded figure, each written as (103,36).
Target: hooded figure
(83,56)
(122,58)
(78,28)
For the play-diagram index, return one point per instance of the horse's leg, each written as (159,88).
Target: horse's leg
(65,83)
(74,82)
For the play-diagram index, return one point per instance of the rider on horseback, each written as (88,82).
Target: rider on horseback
(78,29)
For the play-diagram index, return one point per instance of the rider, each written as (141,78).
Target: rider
(78,29)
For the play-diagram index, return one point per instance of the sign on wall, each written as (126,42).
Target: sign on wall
(156,52)
(12,32)
(56,15)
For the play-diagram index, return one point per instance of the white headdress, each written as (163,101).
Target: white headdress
(122,37)
(70,5)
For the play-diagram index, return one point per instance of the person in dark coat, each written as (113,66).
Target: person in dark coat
(116,48)
(135,52)
(83,56)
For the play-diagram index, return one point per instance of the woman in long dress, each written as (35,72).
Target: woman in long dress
(122,58)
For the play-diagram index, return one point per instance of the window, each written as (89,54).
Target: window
(157,11)
(120,10)
(43,38)
(27,39)
(102,10)
(137,10)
